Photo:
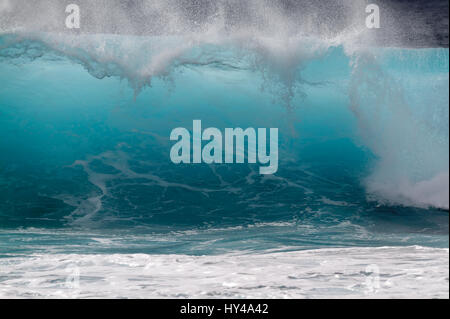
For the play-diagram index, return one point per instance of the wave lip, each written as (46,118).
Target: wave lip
(404,24)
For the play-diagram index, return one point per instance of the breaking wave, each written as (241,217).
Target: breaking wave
(398,96)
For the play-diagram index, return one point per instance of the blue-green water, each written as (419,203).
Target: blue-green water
(84,149)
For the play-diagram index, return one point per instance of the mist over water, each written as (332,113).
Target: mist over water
(87,114)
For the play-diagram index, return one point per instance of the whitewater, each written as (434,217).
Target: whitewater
(91,205)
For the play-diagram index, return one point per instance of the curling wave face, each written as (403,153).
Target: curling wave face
(363,144)
(391,103)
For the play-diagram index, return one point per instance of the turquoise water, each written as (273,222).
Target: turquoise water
(84,153)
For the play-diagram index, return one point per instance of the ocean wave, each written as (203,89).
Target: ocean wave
(402,119)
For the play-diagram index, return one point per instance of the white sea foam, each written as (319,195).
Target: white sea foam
(404,122)
(385,272)
(433,192)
